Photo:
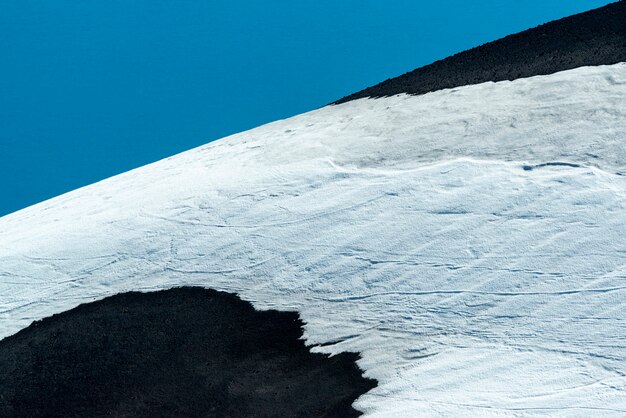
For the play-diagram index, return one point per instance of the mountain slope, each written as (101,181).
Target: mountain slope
(468,243)
(596,37)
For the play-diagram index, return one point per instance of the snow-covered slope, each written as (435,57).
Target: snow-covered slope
(434,234)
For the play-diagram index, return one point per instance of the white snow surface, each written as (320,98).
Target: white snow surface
(404,228)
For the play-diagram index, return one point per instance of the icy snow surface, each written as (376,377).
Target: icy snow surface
(433,234)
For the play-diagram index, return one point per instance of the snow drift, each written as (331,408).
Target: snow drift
(468,242)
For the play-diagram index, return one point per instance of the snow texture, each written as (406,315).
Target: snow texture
(470,243)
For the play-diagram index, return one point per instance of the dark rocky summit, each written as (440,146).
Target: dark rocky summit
(596,37)
(180,352)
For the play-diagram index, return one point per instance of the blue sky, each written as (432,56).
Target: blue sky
(90,89)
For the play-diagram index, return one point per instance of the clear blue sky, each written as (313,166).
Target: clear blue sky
(89,89)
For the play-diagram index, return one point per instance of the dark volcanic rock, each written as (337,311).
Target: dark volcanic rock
(180,352)
(597,37)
